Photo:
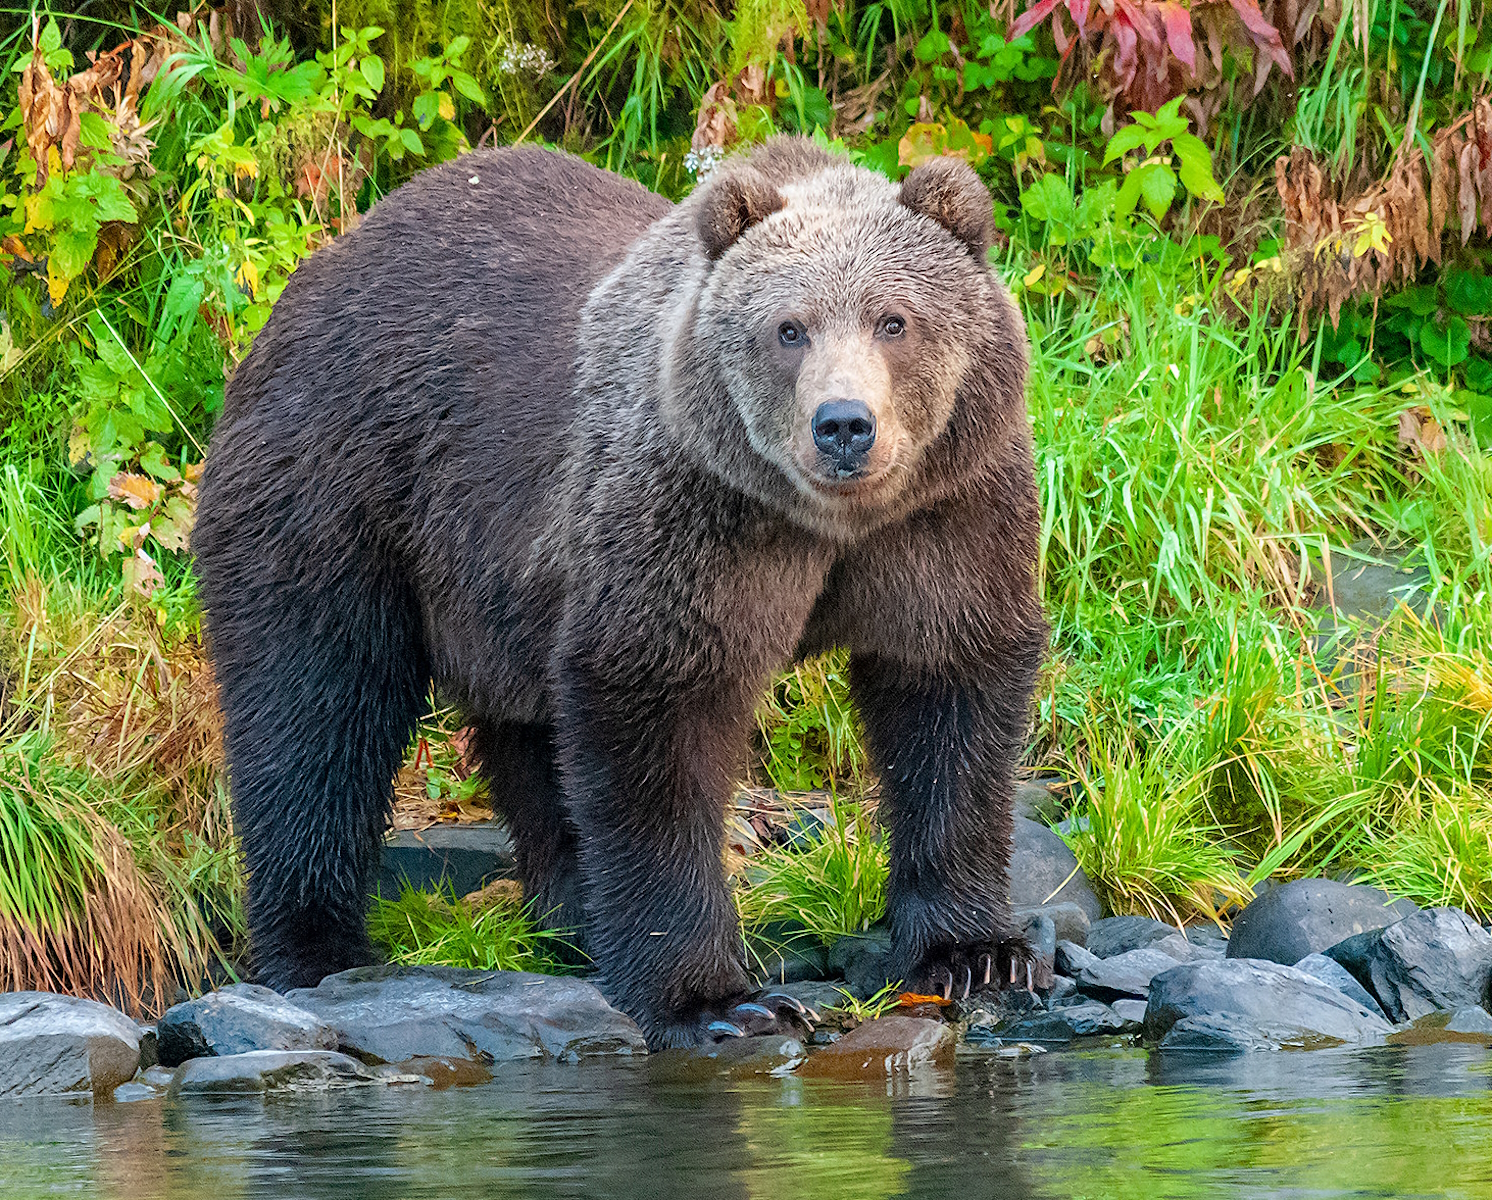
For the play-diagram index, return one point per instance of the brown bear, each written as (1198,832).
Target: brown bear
(595,466)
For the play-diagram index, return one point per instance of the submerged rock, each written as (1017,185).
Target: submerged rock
(1229,1033)
(1436,959)
(261,1071)
(1306,916)
(236,1020)
(735,1058)
(1043,870)
(1333,974)
(1264,996)
(54,1045)
(1127,974)
(884,1047)
(391,1014)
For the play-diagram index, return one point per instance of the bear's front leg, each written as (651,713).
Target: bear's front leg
(945,747)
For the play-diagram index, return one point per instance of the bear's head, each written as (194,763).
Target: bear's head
(864,344)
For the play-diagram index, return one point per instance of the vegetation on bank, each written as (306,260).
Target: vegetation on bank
(1250,242)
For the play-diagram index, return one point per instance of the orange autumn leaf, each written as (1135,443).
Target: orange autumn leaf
(138,491)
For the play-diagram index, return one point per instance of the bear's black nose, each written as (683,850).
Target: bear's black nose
(845,430)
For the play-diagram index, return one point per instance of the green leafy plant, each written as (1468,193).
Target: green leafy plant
(1154,176)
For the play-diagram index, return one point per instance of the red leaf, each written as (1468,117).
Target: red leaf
(1030,19)
(1265,35)
(1078,10)
(1178,23)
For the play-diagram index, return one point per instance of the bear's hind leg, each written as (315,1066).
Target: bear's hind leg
(518,761)
(320,697)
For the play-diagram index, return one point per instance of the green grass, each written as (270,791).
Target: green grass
(446,930)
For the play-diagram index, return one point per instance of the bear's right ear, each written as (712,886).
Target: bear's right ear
(734,203)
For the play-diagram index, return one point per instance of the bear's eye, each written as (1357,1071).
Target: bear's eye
(790,333)
(893,326)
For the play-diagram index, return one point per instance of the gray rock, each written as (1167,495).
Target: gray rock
(54,1045)
(863,960)
(1333,974)
(391,1014)
(128,1093)
(1063,986)
(1131,1012)
(462,858)
(1436,959)
(815,993)
(1041,933)
(1118,935)
(1206,936)
(1471,1019)
(1064,1024)
(1306,916)
(1036,802)
(271,1071)
(791,962)
(1127,974)
(1176,946)
(736,1058)
(1073,959)
(1264,995)
(1043,871)
(1068,919)
(236,1020)
(1228,1033)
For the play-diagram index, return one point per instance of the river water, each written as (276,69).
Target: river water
(1396,1121)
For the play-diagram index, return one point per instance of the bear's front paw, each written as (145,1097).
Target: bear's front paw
(953,972)
(766,1012)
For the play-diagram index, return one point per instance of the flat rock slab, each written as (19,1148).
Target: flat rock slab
(1118,935)
(1333,974)
(237,1020)
(54,1045)
(1043,870)
(1089,1019)
(1439,959)
(1227,1033)
(1127,974)
(1306,916)
(1264,995)
(884,1047)
(261,1071)
(392,1014)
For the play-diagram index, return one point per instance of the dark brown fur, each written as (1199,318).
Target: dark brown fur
(435,466)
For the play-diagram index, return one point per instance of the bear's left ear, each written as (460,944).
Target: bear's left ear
(734,203)
(948,191)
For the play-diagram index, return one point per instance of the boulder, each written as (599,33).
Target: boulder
(1041,932)
(1131,1012)
(1333,974)
(236,1020)
(261,1071)
(863,960)
(1433,960)
(1305,916)
(1069,920)
(1127,974)
(1073,959)
(391,1014)
(1473,1019)
(1044,871)
(1266,996)
(815,993)
(54,1045)
(885,1047)
(1118,935)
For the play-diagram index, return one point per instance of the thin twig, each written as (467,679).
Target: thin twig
(569,83)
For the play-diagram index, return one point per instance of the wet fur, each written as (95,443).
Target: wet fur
(490,440)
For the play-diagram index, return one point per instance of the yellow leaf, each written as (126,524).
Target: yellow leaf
(1034,275)
(56,287)
(248,276)
(447,107)
(79,445)
(138,491)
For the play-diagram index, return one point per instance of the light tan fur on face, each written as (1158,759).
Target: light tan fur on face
(842,365)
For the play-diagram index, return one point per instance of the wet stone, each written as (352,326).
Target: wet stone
(1436,959)
(1119,935)
(735,1058)
(815,994)
(1127,974)
(261,1071)
(863,960)
(1472,1019)
(1306,916)
(1044,871)
(1041,932)
(1088,1019)
(392,1014)
(1069,921)
(1263,996)
(1227,1033)
(1063,986)
(1333,974)
(236,1020)
(885,1047)
(127,1093)
(54,1045)
(1131,1012)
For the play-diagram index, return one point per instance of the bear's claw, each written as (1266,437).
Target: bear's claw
(765,1013)
(956,971)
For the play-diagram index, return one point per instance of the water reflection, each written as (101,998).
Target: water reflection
(1390,1122)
